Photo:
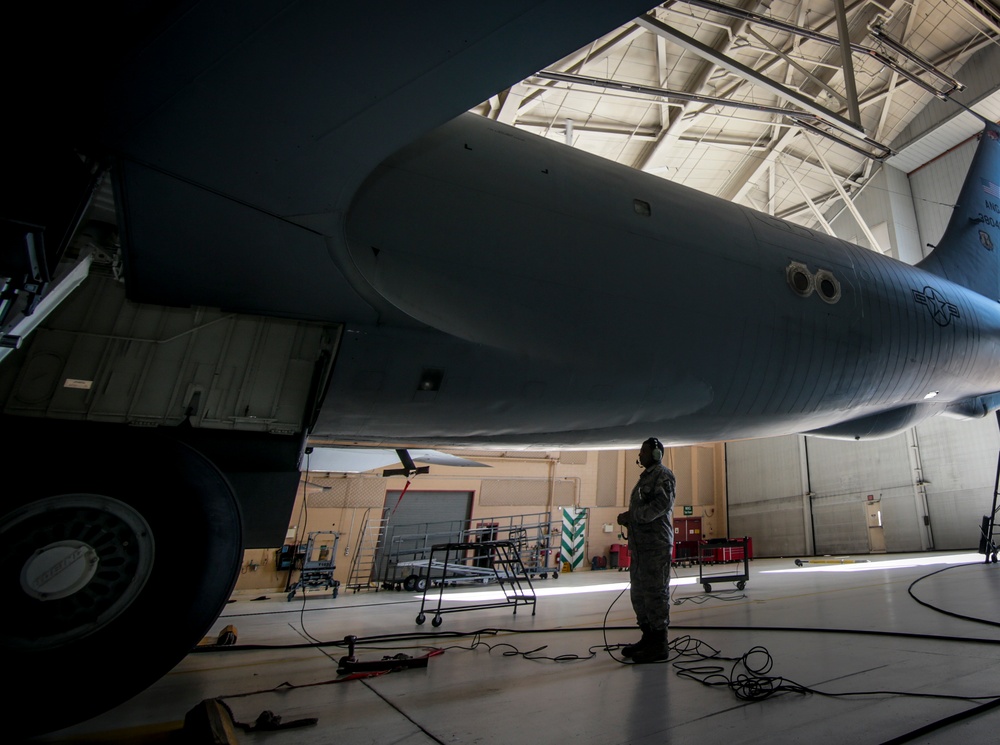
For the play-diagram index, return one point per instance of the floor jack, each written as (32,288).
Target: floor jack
(351,664)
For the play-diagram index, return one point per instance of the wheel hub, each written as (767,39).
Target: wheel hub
(59,570)
(72,564)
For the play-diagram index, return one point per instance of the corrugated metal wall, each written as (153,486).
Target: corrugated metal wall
(959,463)
(764,483)
(768,500)
(843,474)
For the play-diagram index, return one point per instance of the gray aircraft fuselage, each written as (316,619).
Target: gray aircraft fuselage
(569,301)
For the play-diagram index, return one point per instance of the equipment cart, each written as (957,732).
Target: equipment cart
(405,562)
(506,569)
(720,551)
(433,571)
(316,566)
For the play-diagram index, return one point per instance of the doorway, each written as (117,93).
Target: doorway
(416,522)
(687,529)
(876,535)
(687,534)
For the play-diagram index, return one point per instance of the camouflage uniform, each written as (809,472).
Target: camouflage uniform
(650,544)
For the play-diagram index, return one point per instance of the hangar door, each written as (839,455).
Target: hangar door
(414,524)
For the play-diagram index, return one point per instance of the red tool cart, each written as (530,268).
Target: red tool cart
(619,556)
(715,551)
(685,553)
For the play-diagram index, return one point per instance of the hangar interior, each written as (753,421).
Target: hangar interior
(700,93)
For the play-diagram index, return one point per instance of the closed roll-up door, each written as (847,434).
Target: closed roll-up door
(420,520)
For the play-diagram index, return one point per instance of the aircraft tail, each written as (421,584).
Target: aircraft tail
(969,251)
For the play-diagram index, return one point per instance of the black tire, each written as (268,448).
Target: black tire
(410,583)
(421,584)
(149,534)
(741,585)
(421,618)
(436,621)
(707,586)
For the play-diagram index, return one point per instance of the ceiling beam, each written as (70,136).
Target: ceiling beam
(693,45)
(681,120)
(580,60)
(847,62)
(872,241)
(805,195)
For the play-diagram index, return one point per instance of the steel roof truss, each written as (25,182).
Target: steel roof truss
(695,46)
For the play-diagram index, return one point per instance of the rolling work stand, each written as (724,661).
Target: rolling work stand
(505,564)
(317,564)
(723,552)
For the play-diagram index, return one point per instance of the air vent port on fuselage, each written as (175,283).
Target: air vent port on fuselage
(800,279)
(827,286)
(804,283)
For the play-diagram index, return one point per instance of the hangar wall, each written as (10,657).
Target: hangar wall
(514,483)
(793,493)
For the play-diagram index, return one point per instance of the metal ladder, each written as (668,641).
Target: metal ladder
(363,563)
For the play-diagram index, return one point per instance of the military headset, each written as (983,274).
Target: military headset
(656,449)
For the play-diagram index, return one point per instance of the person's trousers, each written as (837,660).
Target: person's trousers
(649,574)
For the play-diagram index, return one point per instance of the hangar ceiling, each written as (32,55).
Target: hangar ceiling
(749,100)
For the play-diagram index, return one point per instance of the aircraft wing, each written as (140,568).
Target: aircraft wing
(240,144)
(357,460)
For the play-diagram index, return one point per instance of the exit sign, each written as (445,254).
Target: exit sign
(688,511)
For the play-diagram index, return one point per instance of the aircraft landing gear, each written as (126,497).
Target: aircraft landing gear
(113,563)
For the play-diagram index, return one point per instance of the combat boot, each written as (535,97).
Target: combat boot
(655,650)
(629,650)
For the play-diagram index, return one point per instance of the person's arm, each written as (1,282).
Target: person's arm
(657,503)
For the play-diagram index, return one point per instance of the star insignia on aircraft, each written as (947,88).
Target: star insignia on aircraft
(937,305)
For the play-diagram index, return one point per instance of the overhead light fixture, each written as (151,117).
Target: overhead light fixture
(930,395)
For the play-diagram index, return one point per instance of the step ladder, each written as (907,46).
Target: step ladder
(370,538)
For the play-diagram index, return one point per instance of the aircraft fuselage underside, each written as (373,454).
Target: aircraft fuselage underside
(594,304)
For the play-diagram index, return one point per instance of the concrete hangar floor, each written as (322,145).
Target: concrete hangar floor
(855,630)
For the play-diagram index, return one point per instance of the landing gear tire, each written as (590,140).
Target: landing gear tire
(114,563)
